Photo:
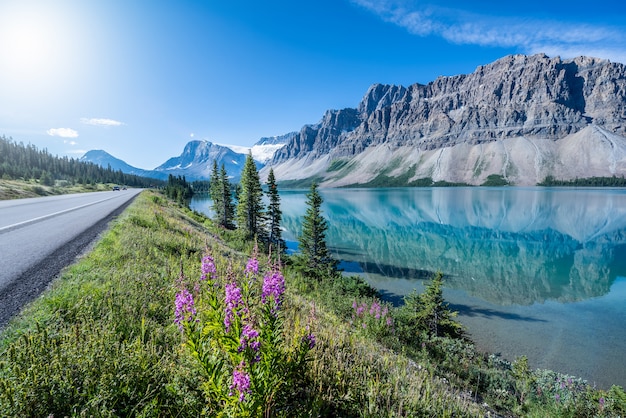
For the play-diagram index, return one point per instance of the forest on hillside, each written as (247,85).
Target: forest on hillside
(26,162)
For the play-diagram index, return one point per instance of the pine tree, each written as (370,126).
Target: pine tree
(216,193)
(274,216)
(221,196)
(250,204)
(227,210)
(428,312)
(316,258)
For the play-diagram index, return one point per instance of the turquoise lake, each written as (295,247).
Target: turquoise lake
(539,272)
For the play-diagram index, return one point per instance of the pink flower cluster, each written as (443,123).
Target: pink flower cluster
(233,301)
(273,287)
(241,382)
(184,306)
(208,267)
(375,310)
(249,338)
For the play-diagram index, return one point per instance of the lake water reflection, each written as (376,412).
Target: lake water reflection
(532,271)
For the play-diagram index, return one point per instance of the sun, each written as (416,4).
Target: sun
(36,45)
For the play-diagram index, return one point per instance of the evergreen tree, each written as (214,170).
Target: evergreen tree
(274,216)
(214,181)
(316,260)
(250,202)
(216,193)
(221,194)
(428,312)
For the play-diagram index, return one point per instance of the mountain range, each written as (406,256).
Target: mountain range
(196,160)
(522,118)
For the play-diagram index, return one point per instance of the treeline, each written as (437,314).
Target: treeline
(178,189)
(19,161)
(586,182)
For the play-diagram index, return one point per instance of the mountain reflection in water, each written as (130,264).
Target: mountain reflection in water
(504,245)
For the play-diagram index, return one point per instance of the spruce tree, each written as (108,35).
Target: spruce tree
(217,195)
(274,216)
(250,204)
(227,210)
(221,196)
(316,261)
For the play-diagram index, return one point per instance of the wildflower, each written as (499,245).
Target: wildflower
(252,267)
(375,310)
(274,286)
(241,382)
(233,301)
(389,321)
(208,267)
(309,339)
(601,401)
(184,306)
(249,338)
(557,397)
(359,309)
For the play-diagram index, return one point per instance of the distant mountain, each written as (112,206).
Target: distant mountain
(265,148)
(196,161)
(104,159)
(521,117)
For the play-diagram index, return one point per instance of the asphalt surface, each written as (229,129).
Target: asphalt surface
(41,236)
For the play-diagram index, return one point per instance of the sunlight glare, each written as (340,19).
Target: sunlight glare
(37,51)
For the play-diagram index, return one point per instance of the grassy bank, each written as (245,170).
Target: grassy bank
(103,342)
(19,189)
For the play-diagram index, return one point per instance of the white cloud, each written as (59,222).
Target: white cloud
(100,122)
(77,151)
(191,135)
(62,132)
(70,142)
(529,35)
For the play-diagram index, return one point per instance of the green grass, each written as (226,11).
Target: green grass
(19,189)
(102,342)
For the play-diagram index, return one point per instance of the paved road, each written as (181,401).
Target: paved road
(41,236)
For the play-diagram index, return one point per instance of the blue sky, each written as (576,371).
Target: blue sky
(140,79)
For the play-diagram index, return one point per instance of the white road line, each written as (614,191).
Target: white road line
(50,215)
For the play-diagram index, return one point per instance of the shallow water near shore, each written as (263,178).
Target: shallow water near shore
(539,272)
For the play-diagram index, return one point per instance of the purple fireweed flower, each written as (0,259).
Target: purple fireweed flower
(185,310)
(309,339)
(233,300)
(601,402)
(249,338)
(273,286)
(389,321)
(375,310)
(252,268)
(241,382)
(360,309)
(208,267)
(557,397)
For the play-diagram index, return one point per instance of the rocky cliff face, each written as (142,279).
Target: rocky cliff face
(522,117)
